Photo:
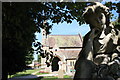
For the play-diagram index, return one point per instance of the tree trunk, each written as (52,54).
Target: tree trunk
(4,68)
(4,75)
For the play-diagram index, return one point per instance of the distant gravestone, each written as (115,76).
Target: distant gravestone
(60,74)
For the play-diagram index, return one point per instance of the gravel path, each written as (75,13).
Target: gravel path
(24,77)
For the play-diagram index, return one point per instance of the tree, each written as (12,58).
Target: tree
(18,35)
(39,58)
(118,11)
(29,57)
(22,20)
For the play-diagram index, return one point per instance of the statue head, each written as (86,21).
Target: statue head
(96,15)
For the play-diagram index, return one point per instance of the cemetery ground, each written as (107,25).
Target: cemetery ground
(35,74)
(24,73)
(66,77)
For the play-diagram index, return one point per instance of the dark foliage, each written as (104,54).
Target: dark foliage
(22,20)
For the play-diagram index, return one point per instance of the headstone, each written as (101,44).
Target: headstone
(60,73)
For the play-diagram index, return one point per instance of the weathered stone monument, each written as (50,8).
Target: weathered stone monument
(100,56)
(60,71)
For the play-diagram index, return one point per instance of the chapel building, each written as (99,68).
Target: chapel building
(65,49)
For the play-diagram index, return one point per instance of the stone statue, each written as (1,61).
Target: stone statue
(100,56)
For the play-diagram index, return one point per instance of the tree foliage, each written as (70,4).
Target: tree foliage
(39,58)
(18,35)
(22,20)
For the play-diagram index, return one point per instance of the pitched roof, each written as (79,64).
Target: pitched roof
(64,41)
(69,54)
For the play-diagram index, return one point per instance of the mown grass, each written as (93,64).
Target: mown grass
(23,73)
(66,76)
(40,73)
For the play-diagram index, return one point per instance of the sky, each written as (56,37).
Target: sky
(69,29)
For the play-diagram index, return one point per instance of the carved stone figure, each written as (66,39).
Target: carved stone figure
(99,57)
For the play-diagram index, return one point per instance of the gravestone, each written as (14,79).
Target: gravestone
(60,73)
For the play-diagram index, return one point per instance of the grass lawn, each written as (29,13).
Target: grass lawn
(41,73)
(66,76)
(24,73)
